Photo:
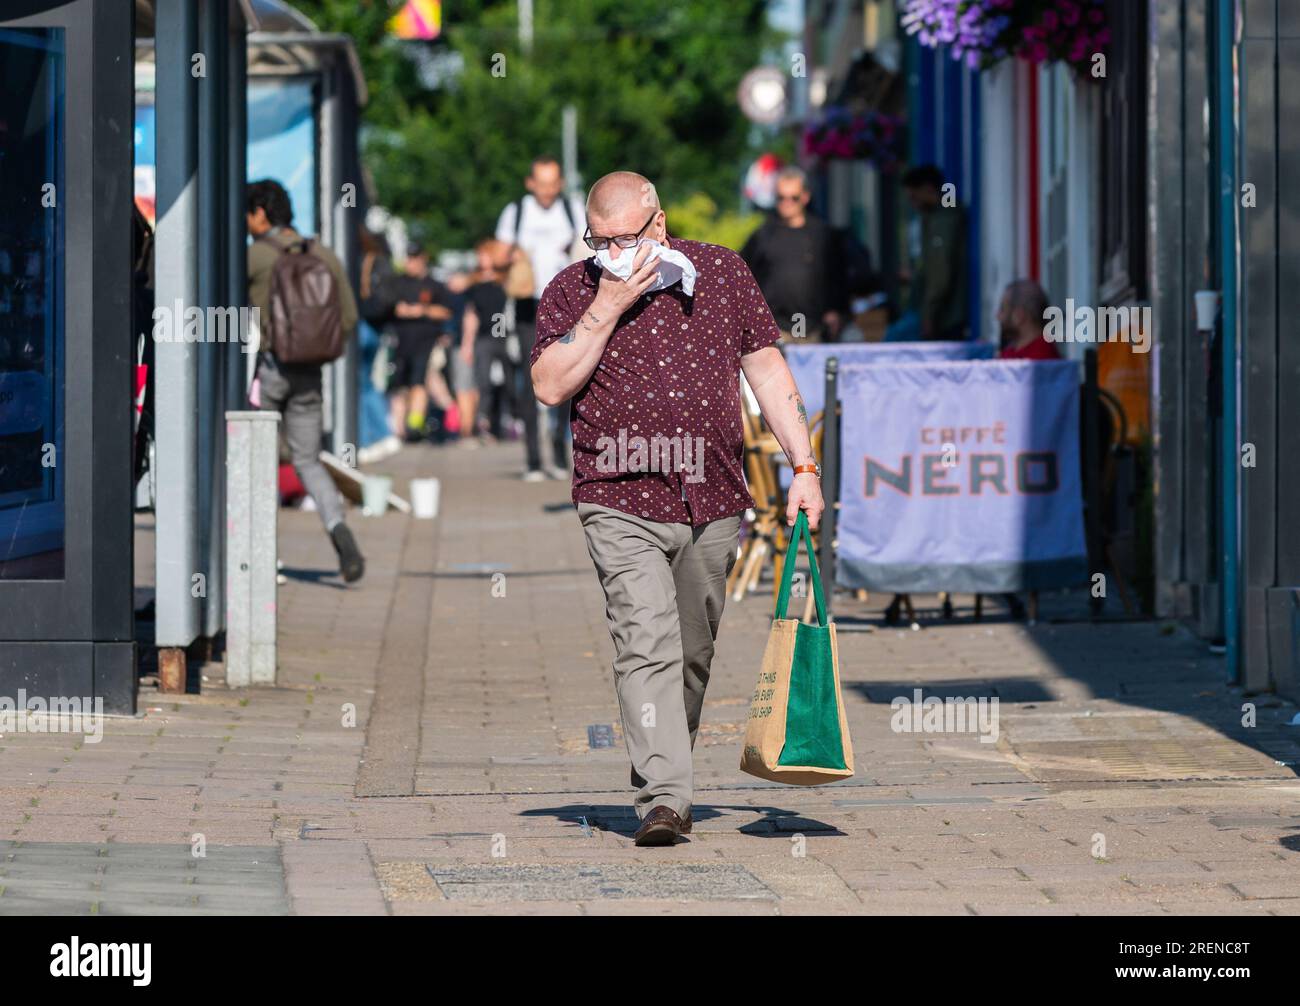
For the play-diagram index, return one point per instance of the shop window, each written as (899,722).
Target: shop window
(1123,155)
(31,304)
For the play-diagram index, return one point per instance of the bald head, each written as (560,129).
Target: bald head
(1022,312)
(621,193)
(1027,296)
(624,202)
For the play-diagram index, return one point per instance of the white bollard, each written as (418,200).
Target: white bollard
(252,509)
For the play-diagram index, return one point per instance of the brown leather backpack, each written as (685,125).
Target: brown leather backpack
(306,323)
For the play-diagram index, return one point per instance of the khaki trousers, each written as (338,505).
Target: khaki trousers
(665,585)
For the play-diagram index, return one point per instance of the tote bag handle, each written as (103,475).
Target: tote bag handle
(787,570)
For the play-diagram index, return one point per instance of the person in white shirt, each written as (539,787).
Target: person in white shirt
(545,224)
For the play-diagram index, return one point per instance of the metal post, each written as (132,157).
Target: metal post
(830,481)
(236,389)
(340,376)
(177,544)
(569,144)
(1092,464)
(252,508)
(1226,108)
(526,25)
(213,36)
(343,157)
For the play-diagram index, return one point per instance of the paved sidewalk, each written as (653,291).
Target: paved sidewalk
(434,746)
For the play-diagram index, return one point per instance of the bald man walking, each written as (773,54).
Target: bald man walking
(652,363)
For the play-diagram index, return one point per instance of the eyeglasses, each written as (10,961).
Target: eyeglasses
(622,240)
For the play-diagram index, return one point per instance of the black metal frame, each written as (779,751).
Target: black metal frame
(75,636)
(830,482)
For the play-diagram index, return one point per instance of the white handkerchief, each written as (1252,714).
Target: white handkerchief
(673,266)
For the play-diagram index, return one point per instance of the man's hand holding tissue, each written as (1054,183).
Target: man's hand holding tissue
(617,295)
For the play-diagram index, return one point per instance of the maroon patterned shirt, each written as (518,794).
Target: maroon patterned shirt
(667,385)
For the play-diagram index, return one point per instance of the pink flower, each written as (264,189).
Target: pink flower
(1050,21)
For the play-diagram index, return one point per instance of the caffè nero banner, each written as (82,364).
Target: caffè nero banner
(960,476)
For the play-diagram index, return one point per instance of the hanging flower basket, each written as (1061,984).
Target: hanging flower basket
(985,32)
(841,135)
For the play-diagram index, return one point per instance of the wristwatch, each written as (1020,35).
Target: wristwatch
(814,469)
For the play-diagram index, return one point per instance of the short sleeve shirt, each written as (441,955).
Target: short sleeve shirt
(657,429)
(489,303)
(418,290)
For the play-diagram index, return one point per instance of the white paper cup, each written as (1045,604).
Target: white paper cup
(374,494)
(424,498)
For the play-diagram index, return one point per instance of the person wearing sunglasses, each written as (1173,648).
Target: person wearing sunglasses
(654,364)
(795,258)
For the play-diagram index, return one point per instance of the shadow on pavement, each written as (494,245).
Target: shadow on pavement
(1068,660)
(324,577)
(621,819)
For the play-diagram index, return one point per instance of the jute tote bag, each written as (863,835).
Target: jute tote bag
(797,732)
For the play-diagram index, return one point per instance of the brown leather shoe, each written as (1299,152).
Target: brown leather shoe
(660,827)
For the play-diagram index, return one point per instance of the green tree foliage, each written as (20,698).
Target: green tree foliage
(696,218)
(654,83)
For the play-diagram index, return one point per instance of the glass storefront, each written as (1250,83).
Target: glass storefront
(32,530)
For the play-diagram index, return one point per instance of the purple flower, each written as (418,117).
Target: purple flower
(981,32)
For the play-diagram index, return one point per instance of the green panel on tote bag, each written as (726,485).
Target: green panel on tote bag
(812,715)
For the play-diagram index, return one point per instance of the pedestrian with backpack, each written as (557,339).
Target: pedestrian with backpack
(543,228)
(307,313)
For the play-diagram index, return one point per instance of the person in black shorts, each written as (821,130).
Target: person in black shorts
(481,363)
(421,307)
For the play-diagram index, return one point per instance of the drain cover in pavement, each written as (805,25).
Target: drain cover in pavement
(692,881)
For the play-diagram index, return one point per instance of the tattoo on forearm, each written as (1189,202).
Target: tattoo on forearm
(583,321)
(570,335)
(799,407)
